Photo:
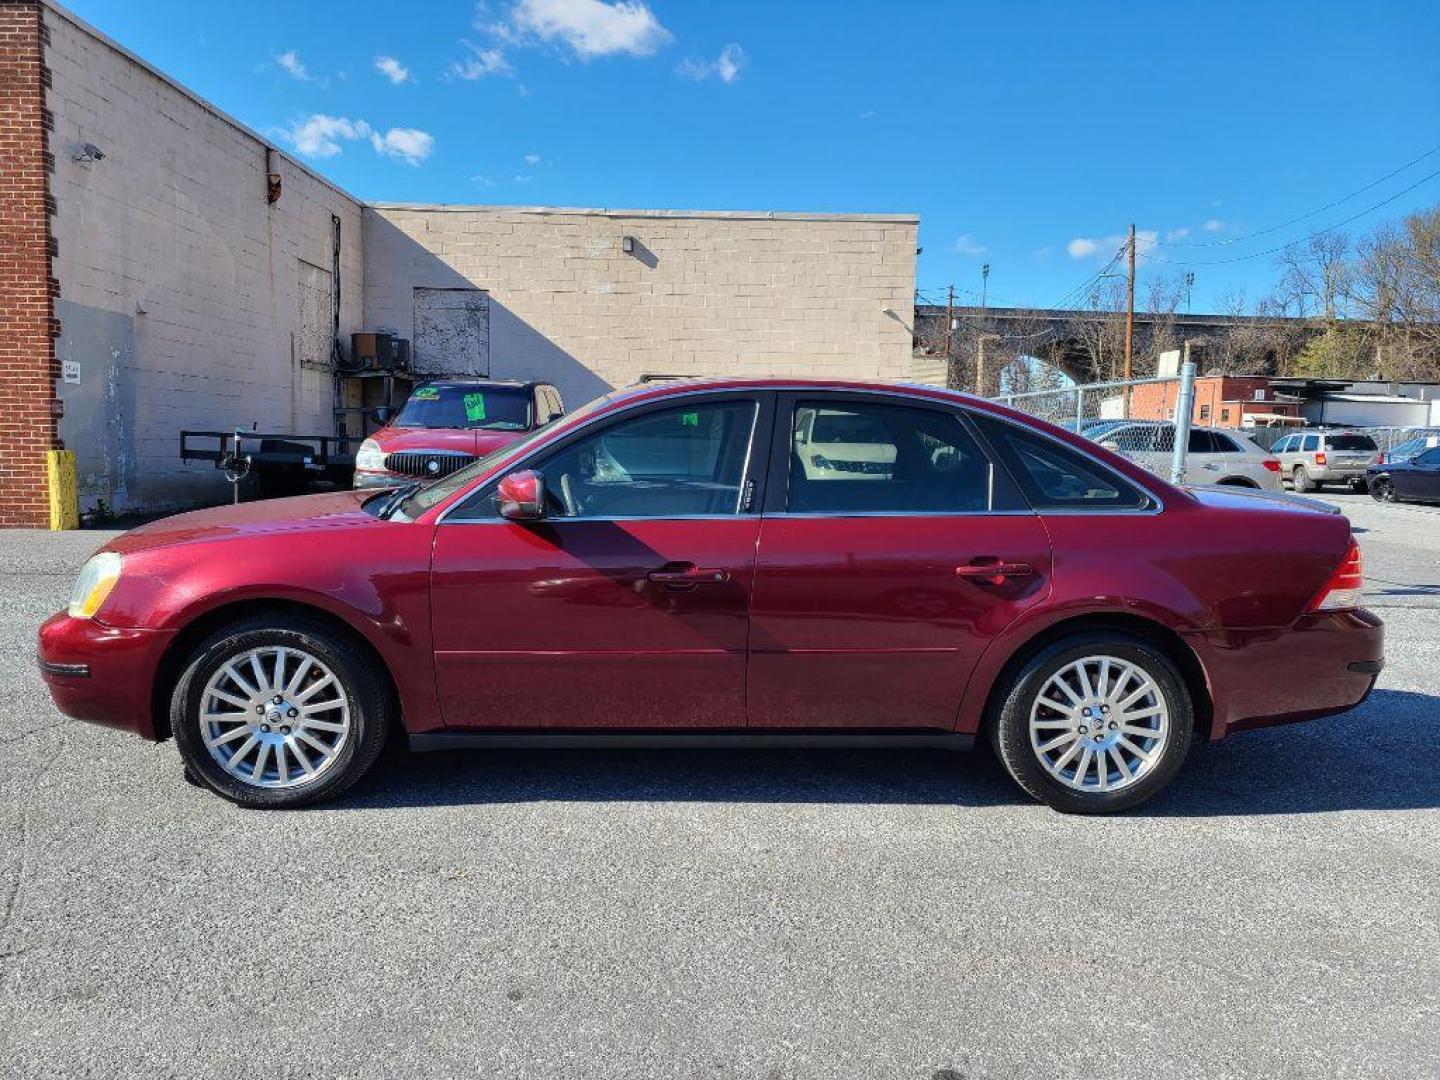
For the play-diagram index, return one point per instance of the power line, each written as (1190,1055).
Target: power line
(1290,243)
(1303,217)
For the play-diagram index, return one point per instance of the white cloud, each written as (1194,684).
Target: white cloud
(1083,247)
(967,245)
(532,159)
(521,178)
(589,27)
(869,114)
(1176,235)
(392,69)
(321,136)
(409,145)
(482,180)
(1214,225)
(480,63)
(291,63)
(725,67)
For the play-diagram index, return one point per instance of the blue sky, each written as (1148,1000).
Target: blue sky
(1026,135)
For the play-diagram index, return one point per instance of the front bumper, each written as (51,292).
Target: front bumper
(1326,663)
(102,674)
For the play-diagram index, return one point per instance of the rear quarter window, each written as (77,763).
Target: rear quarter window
(1055,477)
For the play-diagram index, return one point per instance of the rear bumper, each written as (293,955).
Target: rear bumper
(1326,663)
(102,674)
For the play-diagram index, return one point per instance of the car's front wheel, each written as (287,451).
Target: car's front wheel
(1094,723)
(275,712)
(1382,490)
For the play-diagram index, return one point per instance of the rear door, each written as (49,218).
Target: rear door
(891,551)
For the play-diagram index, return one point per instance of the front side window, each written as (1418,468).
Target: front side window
(1055,477)
(1312,442)
(1429,457)
(864,458)
(456,405)
(675,462)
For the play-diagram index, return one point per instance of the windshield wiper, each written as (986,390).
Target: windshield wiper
(398,496)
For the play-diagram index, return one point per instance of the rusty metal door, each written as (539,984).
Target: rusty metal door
(452,332)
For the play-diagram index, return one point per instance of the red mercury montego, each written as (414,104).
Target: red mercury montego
(724,562)
(448,423)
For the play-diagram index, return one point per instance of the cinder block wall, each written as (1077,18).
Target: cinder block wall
(702,293)
(181,287)
(27,421)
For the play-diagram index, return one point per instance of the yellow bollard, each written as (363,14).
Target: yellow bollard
(64,493)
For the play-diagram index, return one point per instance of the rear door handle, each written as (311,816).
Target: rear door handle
(688,577)
(994,570)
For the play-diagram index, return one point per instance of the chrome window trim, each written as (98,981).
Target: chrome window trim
(902,393)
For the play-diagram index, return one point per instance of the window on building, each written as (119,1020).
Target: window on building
(1204,412)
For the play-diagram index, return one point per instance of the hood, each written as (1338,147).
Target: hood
(457,440)
(329,510)
(1224,495)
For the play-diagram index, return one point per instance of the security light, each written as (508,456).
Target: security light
(88,154)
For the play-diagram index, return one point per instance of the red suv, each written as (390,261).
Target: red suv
(730,562)
(448,423)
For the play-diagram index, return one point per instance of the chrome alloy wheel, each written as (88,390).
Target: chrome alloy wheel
(1099,724)
(274,717)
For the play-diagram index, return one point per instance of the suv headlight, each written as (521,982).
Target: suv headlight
(370,456)
(97,578)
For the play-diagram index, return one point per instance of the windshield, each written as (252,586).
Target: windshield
(437,492)
(1351,442)
(487,408)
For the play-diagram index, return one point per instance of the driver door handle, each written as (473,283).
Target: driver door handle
(687,577)
(994,570)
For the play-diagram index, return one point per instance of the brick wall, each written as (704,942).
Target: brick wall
(701,293)
(27,353)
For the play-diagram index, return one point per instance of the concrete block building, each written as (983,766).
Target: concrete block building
(165,267)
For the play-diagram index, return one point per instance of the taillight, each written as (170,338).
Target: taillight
(1273,464)
(1319,457)
(1343,589)
(1382,459)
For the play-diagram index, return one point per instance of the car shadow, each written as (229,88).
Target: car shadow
(1379,757)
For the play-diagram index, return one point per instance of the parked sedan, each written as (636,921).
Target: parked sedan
(1214,456)
(671,565)
(1413,479)
(447,423)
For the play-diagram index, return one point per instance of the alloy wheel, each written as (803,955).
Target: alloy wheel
(1099,724)
(275,717)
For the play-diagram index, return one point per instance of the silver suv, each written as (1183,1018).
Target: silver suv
(1310,459)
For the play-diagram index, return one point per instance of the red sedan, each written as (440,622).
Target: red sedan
(730,562)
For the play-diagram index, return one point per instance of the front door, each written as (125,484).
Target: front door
(628,606)
(1419,478)
(891,552)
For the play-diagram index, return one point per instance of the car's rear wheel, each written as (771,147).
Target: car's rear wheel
(279,712)
(1382,490)
(1302,480)
(1094,723)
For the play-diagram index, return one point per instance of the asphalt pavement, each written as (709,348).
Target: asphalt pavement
(730,914)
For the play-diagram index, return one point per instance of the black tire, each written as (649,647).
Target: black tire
(1382,490)
(368,697)
(1010,726)
(1302,481)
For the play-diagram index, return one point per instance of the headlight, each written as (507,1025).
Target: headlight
(370,456)
(97,578)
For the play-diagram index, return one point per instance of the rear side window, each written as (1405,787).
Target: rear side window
(1312,442)
(1055,477)
(864,458)
(1351,442)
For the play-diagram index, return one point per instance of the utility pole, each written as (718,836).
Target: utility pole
(952,376)
(984,288)
(1189,288)
(1130,322)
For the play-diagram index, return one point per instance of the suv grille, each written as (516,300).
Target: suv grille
(429,466)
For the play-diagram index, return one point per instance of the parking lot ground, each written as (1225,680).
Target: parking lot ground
(756,914)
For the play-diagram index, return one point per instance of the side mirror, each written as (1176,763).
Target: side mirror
(521,495)
(382,414)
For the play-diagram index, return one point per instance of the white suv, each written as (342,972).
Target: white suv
(1215,455)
